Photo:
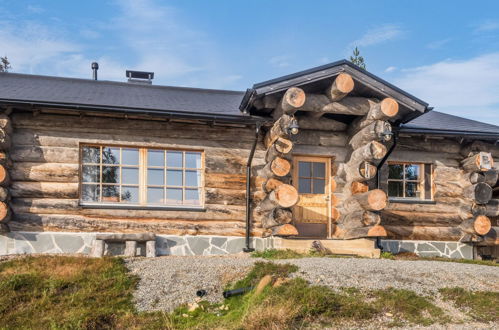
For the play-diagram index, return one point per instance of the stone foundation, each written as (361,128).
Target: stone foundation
(55,242)
(455,250)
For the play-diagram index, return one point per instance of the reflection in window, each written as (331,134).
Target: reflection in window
(140,176)
(405,180)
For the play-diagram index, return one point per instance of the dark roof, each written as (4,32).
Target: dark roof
(435,122)
(366,84)
(86,93)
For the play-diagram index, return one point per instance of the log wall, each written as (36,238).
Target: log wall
(45,174)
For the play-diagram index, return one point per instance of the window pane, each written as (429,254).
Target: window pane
(110,174)
(412,172)
(90,193)
(304,169)
(130,156)
(193,160)
(174,159)
(192,178)
(110,193)
(304,186)
(110,155)
(130,175)
(91,173)
(319,170)
(91,155)
(395,189)
(130,194)
(174,196)
(156,158)
(174,178)
(395,171)
(318,186)
(155,177)
(412,189)
(192,196)
(155,195)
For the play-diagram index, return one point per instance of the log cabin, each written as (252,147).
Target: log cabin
(333,155)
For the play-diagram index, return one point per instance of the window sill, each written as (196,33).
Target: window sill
(411,201)
(142,207)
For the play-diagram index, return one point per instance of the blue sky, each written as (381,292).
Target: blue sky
(444,52)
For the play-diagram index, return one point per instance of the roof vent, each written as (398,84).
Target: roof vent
(140,77)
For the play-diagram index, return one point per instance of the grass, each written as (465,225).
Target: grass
(481,306)
(82,293)
(275,254)
(413,256)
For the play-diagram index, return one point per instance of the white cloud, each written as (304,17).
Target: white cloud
(391,69)
(487,26)
(35,9)
(466,88)
(378,35)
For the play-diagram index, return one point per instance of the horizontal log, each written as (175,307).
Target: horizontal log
(358,219)
(5,140)
(341,86)
(481,193)
(285,230)
(4,212)
(284,196)
(322,124)
(477,145)
(370,231)
(280,148)
(491,238)
(55,222)
(422,218)
(488,177)
(4,194)
(70,207)
(386,109)
(278,167)
(372,200)
(39,154)
(45,172)
(227,181)
(4,176)
(280,129)
(6,123)
(321,138)
(425,144)
(290,102)
(372,132)
(491,209)
(44,189)
(358,188)
(481,161)
(479,225)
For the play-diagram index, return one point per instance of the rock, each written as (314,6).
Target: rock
(192,307)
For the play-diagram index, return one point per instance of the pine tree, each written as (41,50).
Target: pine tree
(357,59)
(4,64)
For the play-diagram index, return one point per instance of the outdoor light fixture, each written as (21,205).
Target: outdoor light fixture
(386,135)
(294,127)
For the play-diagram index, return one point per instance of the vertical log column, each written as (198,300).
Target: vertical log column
(5,141)
(359,211)
(280,195)
(479,168)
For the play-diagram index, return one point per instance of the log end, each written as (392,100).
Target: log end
(389,107)
(377,199)
(285,230)
(482,225)
(377,231)
(286,195)
(294,98)
(344,83)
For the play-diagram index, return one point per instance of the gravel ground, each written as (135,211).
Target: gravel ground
(167,282)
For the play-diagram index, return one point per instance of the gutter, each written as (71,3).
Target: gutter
(378,177)
(447,133)
(236,119)
(248,248)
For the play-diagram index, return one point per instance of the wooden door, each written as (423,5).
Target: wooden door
(311,177)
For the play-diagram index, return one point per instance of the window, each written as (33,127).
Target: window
(409,181)
(141,176)
(311,177)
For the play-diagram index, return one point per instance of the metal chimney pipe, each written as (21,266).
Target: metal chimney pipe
(95,67)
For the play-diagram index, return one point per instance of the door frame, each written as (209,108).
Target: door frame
(327,186)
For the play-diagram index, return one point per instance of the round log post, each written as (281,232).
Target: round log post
(372,132)
(291,101)
(4,212)
(279,129)
(279,148)
(488,177)
(285,230)
(481,161)
(386,109)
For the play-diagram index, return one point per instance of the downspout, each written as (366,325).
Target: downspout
(378,177)
(248,248)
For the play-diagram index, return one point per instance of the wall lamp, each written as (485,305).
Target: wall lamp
(294,128)
(386,135)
